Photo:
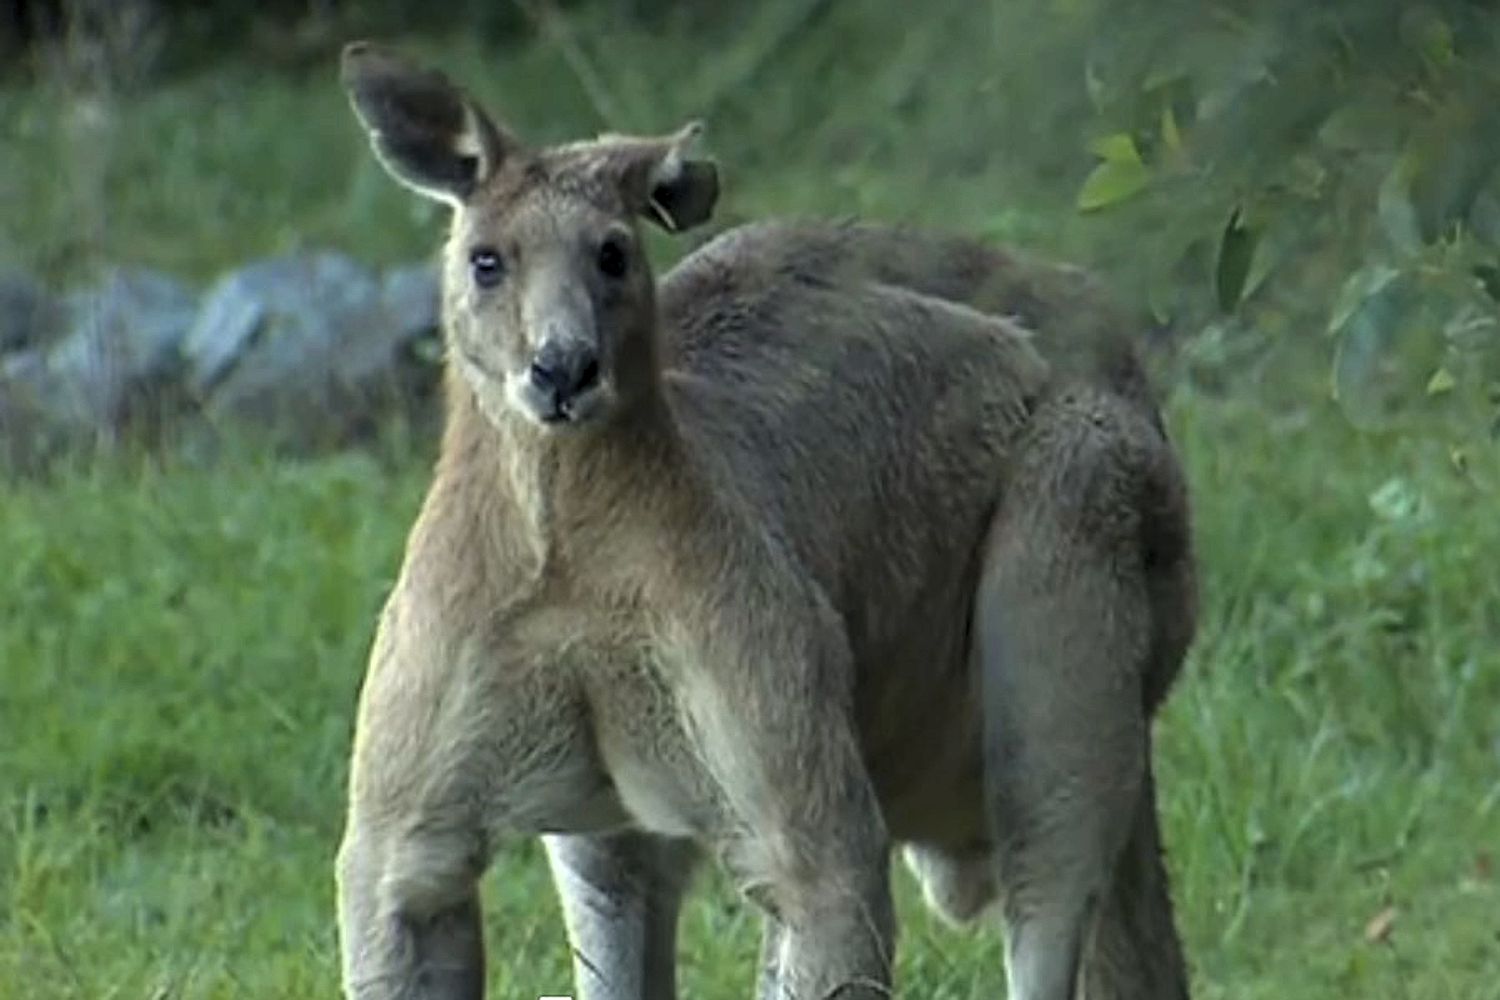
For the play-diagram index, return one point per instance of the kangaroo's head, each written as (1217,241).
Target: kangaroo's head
(549,296)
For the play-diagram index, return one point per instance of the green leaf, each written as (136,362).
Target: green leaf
(1163,75)
(1159,299)
(1363,124)
(1442,381)
(1438,44)
(1171,136)
(1489,279)
(1453,156)
(1116,148)
(1394,208)
(1396,500)
(1094,85)
(1274,246)
(1391,339)
(1111,183)
(1236,249)
(1363,284)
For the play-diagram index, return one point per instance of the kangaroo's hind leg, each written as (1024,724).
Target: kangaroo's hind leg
(1064,635)
(620,895)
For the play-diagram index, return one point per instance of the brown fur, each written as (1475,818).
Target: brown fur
(830,557)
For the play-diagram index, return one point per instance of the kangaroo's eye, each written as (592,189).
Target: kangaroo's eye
(613,260)
(487,268)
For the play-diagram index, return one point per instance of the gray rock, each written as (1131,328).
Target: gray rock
(122,337)
(412,298)
(311,347)
(262,324)
(296,340)
(28,315)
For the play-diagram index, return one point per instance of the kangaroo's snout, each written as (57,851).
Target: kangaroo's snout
(560,373)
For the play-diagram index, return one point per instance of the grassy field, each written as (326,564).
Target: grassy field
(180,645)
(181,648)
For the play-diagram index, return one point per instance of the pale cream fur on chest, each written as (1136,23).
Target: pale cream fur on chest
(621,669)
(645,746)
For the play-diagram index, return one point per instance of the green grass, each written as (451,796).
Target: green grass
(181,649)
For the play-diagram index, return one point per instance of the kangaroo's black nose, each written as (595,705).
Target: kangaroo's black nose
(564,371)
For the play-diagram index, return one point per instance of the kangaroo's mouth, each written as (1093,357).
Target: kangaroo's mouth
(554,411)
(539,404)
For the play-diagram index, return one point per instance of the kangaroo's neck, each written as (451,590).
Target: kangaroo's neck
(553,499)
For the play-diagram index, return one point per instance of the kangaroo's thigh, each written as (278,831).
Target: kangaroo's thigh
(1063,634)
(769,703)
(452,756)
(403,941)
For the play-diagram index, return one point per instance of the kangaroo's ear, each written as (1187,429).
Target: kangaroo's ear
(681,191)
(425,131)
(655,175)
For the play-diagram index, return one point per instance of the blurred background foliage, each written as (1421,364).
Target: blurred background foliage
(1276,184)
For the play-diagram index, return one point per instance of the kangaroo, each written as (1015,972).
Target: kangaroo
(805,554)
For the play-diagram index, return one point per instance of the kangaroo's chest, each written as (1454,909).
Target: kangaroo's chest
(645,747)
(644,744)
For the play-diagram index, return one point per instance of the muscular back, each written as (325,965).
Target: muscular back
(871,415)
